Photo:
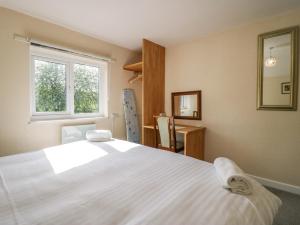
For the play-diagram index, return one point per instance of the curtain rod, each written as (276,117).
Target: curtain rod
(42,44)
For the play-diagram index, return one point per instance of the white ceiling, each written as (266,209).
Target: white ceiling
(168,22)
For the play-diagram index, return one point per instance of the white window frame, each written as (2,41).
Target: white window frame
(39,53)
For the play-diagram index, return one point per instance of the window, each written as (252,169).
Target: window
(66,86)
(86,89)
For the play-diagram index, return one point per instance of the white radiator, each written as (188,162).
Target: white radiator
(75,133)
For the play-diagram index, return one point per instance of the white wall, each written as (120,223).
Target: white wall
(16,134)
(272,91)
(224,67)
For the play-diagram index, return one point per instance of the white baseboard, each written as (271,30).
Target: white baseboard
(277,185)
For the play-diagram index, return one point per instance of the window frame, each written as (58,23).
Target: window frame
(69,60)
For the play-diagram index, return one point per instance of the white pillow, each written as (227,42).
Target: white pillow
(98,135)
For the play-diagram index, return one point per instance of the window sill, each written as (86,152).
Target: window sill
(41,118)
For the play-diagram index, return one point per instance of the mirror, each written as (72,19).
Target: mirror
(278,70)
(186,105)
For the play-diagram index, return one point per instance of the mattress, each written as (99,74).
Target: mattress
(118,182)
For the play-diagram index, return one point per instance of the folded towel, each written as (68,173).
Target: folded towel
(232,177)
(98,135)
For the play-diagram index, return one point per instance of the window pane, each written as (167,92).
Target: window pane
(50,86)
(86,89)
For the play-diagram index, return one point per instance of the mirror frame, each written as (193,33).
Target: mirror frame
(294,31)
(198,93)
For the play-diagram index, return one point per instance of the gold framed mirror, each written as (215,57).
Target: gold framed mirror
(186,105)
(277,81)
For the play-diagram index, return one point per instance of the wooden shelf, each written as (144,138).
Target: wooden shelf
(136,67)
(135,78)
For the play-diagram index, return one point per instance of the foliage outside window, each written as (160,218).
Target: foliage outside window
(50,86)
(67,87)
(86,86)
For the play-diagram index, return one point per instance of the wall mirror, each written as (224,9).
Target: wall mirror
(186,105)
(278,70)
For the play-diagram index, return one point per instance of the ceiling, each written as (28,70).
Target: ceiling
(167,22)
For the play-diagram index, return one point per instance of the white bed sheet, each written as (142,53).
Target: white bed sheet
(117,182)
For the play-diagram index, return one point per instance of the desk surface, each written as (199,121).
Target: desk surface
(180,128)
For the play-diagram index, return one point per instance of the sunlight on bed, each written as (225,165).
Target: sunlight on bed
(66,157)
(121,146)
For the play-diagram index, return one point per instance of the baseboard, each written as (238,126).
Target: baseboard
(277,185)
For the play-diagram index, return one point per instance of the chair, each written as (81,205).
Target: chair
(164,128)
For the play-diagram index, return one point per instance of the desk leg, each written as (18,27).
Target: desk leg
(194,144)
(149,137)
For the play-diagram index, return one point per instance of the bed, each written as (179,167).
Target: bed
(118,182)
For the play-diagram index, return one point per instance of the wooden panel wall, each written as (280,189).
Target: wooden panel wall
(153,85)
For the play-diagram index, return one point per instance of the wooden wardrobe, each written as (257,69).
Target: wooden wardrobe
(151,72)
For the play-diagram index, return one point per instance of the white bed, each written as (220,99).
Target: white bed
(118,182)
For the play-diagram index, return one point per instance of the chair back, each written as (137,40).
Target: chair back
(164,127)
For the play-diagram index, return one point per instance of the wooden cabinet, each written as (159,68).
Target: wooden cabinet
(151,71)
(153,86)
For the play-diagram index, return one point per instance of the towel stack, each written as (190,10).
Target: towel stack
(232,177)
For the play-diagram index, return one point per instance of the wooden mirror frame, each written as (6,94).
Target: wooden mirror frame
(294,31)
(198,93)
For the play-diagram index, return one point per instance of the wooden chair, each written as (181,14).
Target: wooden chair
(164,130)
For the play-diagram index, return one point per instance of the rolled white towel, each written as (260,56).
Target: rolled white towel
(98,135)
(232,177)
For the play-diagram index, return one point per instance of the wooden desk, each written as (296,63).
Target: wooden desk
(193,139)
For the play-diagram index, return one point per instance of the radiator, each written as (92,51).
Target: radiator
(75,133)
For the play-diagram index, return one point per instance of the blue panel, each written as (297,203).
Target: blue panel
(131,118)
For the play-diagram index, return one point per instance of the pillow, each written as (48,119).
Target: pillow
(98,135)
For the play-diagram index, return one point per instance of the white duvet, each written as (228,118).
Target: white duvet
(117,182)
